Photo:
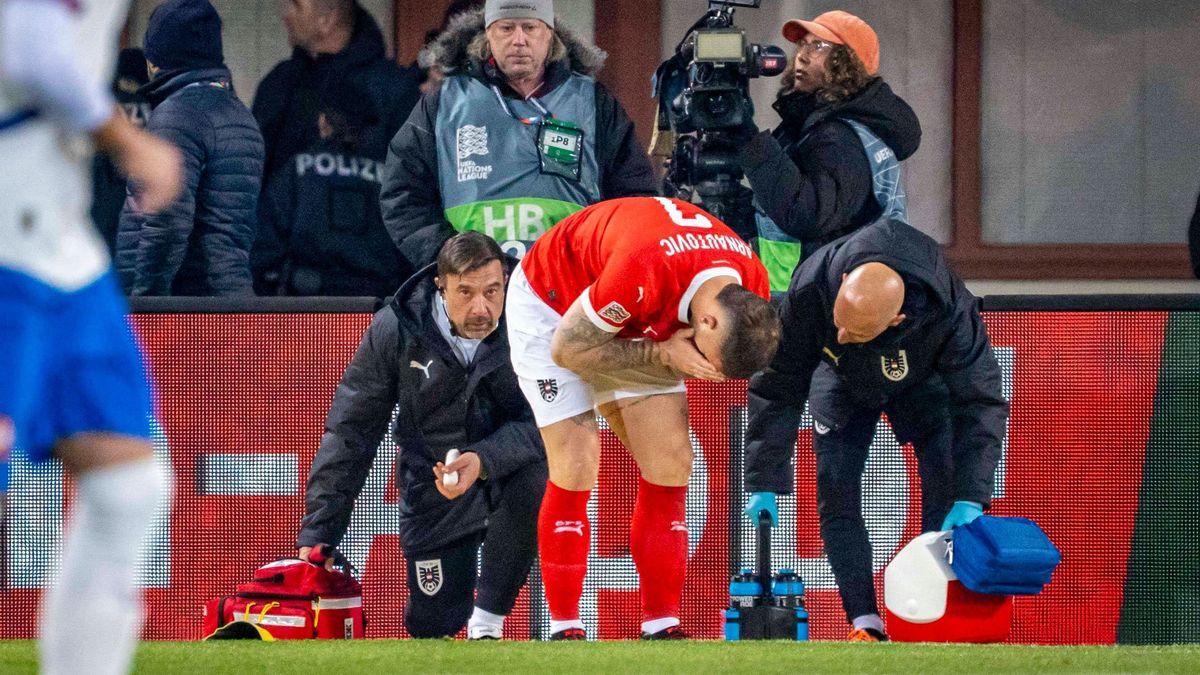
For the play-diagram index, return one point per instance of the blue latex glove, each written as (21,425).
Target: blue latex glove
(760,501)
(961,514)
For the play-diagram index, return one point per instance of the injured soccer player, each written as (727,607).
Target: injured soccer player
(608,313)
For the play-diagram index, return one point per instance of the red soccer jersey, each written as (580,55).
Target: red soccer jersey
(640,260)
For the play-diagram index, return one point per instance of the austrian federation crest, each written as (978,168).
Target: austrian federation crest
(895,368)
(548,389)
(429,576)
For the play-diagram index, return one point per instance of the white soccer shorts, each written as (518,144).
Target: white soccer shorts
(556,393)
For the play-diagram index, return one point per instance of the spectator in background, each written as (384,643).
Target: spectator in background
(832,164)
(1194,240)
(518,136)
(334,41)
(432,77)
(320,231)
(200,245)
(439,352)
(108,183)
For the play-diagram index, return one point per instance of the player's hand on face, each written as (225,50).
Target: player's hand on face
(680,354)
(468,465)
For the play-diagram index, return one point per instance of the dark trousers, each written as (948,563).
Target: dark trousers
(841,458)
(443,586)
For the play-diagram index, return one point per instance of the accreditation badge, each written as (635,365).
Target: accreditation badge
(560,148)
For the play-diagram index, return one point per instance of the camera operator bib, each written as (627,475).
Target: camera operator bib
(781,253)
(509,168)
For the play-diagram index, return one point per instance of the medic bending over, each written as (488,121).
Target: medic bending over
(609,312)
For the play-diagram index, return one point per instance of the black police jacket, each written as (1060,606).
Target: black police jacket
(291,95)
(405,365)
(942,339)
(320,231)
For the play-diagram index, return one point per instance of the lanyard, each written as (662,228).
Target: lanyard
(532,121)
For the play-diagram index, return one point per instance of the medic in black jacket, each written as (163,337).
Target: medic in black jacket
(438,356)
(877,322)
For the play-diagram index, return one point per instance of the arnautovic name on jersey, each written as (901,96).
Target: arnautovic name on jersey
(330,163)
(680,243)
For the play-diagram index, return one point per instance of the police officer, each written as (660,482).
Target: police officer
(436,357)
(518,135)
(320,229)
(876,322)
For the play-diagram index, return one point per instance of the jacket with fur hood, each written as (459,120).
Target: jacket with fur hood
(811,176)
(411,200)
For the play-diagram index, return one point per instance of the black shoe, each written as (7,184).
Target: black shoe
(670,633)
(569,634)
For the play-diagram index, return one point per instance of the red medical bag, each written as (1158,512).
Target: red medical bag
(293,600)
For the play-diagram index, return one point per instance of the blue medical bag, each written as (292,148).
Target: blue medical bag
(1003,556)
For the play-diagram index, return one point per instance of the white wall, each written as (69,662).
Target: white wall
(1091,120)
(916,49)
(253,35)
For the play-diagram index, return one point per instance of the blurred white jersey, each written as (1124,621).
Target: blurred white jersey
(45,171)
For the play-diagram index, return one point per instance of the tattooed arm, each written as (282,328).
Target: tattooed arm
(585,348)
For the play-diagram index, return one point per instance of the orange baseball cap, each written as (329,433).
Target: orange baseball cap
(841,28)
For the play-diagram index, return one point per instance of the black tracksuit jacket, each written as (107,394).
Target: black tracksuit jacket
(477,408)
(942,337)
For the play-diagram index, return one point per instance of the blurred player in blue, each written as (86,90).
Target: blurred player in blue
(73,384)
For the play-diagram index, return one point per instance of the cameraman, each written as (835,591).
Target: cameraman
(821,173)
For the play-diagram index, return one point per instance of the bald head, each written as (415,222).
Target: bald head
(868,303)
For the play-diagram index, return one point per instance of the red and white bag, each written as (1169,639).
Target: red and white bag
(294,600)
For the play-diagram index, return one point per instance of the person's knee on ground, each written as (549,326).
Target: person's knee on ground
(431,620)
(441,588)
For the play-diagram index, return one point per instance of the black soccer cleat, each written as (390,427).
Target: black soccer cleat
(569,634)
(670,633)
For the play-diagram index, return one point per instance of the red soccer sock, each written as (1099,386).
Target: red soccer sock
(563,540)
(658,539)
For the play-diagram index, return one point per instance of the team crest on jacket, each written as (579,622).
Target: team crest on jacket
(548,389)
(895,368)
(429,576)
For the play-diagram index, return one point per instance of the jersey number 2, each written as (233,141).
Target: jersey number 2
(681,220)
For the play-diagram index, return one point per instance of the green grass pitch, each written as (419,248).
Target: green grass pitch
(699,658)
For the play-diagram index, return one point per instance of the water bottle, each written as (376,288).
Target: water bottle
(801,610)
(745,591)
(783,588)
(789,594)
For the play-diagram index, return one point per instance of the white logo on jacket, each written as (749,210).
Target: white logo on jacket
(422,368)
(471,140)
